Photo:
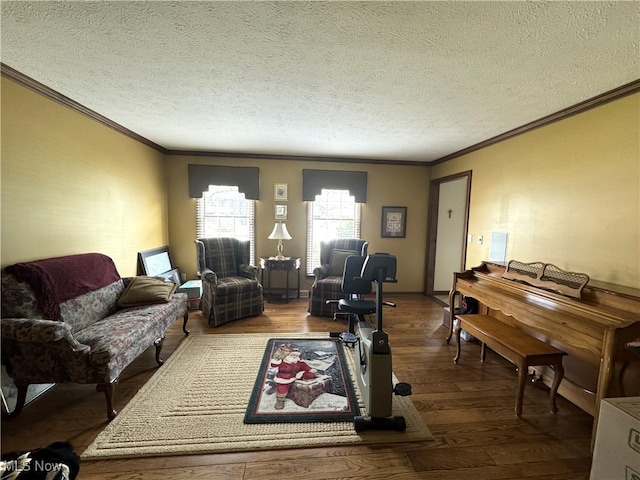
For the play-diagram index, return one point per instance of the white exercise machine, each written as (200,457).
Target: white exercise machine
(373,352)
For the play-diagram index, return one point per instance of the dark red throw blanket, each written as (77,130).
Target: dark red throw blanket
(56,280)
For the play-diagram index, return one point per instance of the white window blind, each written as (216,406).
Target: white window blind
(333,214)
(225,212)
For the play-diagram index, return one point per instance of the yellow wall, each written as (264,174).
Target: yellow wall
(71,185)
(387,186)
(567,193)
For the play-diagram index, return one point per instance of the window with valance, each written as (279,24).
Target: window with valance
(333,210)
(245,178)
(225,201)
(313,181)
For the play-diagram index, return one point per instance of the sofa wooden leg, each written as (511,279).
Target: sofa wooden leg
(184,324)
(109,390)
(158,343)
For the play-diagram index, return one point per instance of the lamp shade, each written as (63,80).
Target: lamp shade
(279,232)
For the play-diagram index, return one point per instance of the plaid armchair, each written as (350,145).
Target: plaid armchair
(328,276)
(230,286)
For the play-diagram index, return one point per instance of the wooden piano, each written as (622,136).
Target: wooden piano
(592,329)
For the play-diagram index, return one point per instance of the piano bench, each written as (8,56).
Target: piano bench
(516,346)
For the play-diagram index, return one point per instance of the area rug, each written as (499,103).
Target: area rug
(196,402)
(302,380)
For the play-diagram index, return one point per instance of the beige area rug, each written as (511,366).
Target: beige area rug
(196,402)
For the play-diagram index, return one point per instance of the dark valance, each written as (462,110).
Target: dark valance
(245,178)
(313,181)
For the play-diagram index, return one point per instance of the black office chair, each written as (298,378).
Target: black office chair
(353,306)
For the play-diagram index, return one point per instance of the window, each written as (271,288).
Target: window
(333,214)
(225,212)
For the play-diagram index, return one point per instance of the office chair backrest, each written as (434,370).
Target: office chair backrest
(352,282)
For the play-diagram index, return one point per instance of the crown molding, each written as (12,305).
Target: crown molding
(298,158)
(51,94)
(597,101)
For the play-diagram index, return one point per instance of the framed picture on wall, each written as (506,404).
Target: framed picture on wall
(394,222)
(280,191)
(281,212)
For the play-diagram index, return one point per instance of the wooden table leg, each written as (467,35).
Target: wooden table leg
(287,290)
(457,334)
(522,381)
(269,287)
(557,378)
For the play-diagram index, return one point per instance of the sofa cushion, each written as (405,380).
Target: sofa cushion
(128,332)
(86,309)
(337,259)
(236,285)
(331,287)
(146,291)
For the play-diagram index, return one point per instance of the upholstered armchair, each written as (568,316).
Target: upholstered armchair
(230,286)
(328,276)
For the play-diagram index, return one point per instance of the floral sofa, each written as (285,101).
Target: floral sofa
(74,319)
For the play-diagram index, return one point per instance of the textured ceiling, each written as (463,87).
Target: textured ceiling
(378,80)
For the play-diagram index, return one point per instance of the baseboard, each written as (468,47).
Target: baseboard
(294,294)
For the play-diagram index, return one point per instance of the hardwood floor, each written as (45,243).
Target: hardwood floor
(468,407)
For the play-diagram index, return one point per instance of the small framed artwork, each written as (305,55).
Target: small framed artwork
(172,275)
(394,222)
(281,212)
(280,191)
(155,261)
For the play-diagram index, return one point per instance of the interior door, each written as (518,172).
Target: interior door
(448,221)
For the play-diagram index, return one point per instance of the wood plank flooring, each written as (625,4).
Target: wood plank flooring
(468,407)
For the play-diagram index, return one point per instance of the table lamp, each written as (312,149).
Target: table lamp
(280,233)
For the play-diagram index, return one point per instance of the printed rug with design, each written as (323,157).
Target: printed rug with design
(303,380)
